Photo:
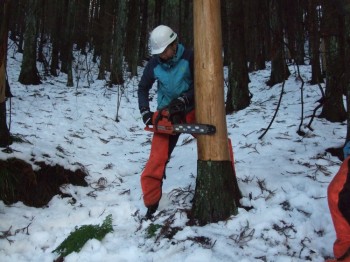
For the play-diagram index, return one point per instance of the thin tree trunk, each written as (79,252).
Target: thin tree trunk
(333,108)
(238,93)
(55,36)
(279,69)
(106,20)
(118,44)
(69,41)
(29,74)
(316,75)
(132,36)
(5,138)
(143,49)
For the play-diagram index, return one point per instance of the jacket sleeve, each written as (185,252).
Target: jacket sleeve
(344,197)
(145,85)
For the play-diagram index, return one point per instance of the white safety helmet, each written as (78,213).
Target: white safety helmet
(160,38)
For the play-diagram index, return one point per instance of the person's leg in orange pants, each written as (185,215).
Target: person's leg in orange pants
(152,176)
(339,206)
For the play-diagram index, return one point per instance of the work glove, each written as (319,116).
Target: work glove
(346,150)
(178,105)
(147,116)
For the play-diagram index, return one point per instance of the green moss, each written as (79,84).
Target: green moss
(152,229)
(77,239)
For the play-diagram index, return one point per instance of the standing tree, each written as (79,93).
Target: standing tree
(314,36)
(279,69)
(68,41)
(143,49)
(133,36)
(118,44)
(294,28)
(333,108)
(214,198)
(345,11)
(107,25)
(256,23)
(81,31)
(5,138)
(55,30)
(238,96)
(29,74)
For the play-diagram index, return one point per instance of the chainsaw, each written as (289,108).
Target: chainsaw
(163,122)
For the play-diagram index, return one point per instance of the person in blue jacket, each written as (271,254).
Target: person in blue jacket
(171,67)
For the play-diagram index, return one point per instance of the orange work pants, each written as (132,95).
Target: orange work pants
(339,206)
(152,176)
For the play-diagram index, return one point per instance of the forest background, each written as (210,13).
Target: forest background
(116,33)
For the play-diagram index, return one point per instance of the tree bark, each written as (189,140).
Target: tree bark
(313,21)
(105,64)
(255,40)
(333,109)
(5,138)
(29,74)
(69,42)
(238,96)
(215,174)
(347,71)
(279,69)
(118,44)
(55,36)
(143,48)
(132,36)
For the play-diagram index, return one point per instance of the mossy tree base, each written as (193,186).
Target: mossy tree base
(216,193)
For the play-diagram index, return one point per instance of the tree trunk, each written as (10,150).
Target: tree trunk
(279,69)
(55,36)
(158,11)
(96,26)
(118,44)
(333,108)
(313,22)
(238,93)
(29,74)
(347,71)
(255,10)
(105,63)
(81,36)
(5,138)
(132,36)
(69,41)
(215,174)
(143,49)
(300,39)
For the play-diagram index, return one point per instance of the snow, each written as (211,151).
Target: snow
(283,176)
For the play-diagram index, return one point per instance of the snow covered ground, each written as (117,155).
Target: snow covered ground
(283,176)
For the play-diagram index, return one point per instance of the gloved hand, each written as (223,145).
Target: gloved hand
(147,116)
(178,105)
(346,149)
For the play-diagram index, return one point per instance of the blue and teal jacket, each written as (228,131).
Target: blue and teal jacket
(174,77)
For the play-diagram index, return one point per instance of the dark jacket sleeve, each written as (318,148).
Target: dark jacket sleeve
(344,198)
(146,84)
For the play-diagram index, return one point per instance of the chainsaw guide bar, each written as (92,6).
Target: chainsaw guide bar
(200,129)
(196,129)
(161,123)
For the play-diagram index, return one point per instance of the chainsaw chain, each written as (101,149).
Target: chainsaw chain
(195,129)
